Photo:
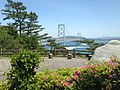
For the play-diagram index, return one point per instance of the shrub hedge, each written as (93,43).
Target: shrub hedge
(103,76)
(100,76)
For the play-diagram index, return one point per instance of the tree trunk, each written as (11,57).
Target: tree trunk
(1,51)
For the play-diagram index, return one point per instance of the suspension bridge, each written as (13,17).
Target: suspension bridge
(64,35)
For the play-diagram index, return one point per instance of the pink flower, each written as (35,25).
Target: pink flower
(112,63)
(68,80)
(84,67)
(110,76)
(75,77)
(81,78)
(94,70)
(96,76)
(76,73)
(67,84)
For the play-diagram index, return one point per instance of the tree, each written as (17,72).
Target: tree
(8,40)
(96,45)
(91,43)
(25,23)
(52,44)
(88,42)
(17,12)
(32,26)
(5,39)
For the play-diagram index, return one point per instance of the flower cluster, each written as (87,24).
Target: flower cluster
(96,76)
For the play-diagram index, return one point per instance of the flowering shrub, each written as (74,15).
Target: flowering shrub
(96,77)
(100,76)
(53,80)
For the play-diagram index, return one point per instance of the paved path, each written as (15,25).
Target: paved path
(62,62)
(55,63)
(4,66)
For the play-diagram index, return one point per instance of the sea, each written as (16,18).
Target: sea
(102,41)
(82,46)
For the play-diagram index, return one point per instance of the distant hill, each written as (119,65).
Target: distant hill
(100,38)
(68,37)
(106,38)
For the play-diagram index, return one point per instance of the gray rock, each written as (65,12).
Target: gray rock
(108,51)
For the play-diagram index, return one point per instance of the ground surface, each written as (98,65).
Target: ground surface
(54,63)
(62,62)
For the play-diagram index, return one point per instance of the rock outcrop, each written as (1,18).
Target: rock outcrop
(108,51)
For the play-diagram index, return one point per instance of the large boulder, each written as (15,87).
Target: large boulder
(108,51)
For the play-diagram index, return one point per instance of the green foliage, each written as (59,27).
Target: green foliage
(52,43)
(53,80)
(96,77)
(92,44)
(23,21)
(87,41)
(3,86)
(27,30)
(30,43)
(22,73)
(15,11)
(50,80)
(95,45)
(7,39)
(100,76)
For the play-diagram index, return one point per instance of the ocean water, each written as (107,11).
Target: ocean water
(102,41)
(82,49)
(72,43)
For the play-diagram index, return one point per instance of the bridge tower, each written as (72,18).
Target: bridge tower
(61,31)
(78,34)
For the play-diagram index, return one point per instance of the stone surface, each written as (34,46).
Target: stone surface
(108,51)
(51,64)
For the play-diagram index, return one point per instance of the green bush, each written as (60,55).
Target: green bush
(2,86)
(104,76)
(53,80)
(50,81)
(22,73)
(100,76)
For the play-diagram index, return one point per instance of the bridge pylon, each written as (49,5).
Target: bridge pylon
(61,31)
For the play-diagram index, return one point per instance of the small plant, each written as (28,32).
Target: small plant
(22,73)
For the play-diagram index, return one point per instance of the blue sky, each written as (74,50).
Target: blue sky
(91,18)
